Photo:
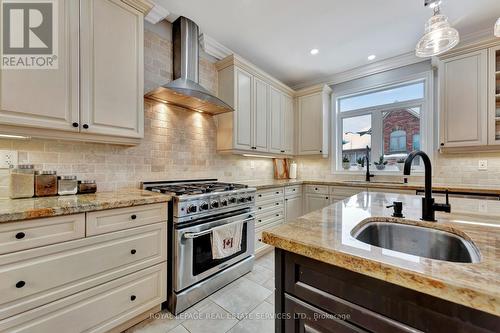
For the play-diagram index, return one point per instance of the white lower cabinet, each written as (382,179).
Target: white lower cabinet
(73,283)
(293,208)
(316,201)
(97,309)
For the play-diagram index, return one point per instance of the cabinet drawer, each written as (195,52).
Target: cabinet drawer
(271,194)
(266,207)
(35,277)
(28,234)
(317,189)
(343,191)
(101,222)
(274,216)
(293,190)
(97,309)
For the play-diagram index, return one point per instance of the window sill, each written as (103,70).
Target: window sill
(376,172)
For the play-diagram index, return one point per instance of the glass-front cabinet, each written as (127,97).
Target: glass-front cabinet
(494,95)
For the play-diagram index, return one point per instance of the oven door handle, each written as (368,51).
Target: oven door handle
(191,235)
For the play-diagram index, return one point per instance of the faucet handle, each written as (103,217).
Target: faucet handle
(398,209)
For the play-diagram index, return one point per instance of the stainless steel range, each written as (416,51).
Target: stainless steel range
(197,208)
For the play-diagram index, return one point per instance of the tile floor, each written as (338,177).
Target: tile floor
(246,305)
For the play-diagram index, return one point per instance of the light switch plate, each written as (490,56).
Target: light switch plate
(482,165)
(8,158)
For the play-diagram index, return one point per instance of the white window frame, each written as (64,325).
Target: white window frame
(426,120)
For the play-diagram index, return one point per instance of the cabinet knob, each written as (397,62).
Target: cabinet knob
(132,298)
(282,151)
(75,124)
(133,251)
(327,198)
(20,284)
(277,214)
(20,235)
(133,216)
(321,151)
(85,126)
(442,144)
(277,204)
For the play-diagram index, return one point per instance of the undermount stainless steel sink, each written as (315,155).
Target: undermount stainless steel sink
(419,241)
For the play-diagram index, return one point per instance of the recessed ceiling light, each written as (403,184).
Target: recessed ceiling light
(372,57)
(314,51)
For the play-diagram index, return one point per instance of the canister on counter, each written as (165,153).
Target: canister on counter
(45,183)
(67,185)
(22,181)
(87,186)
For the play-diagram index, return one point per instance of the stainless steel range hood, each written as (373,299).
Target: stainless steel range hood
(185,91)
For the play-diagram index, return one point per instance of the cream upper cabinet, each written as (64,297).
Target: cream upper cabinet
(313,127)
(288,126)
(494,96)
(96,94)
(260,119)
(112,35)
(276,121)
(263,118)
(46,98)
(463,100)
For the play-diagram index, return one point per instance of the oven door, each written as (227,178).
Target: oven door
(193,260)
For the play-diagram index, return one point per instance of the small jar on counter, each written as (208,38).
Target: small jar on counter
(67,185)
(87,186)
(22,181)
(45,183)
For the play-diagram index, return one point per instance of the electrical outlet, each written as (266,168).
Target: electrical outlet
(482,165)
(252,164)
(8,158)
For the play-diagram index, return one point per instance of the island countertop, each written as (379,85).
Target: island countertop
(24,209)
(325,235)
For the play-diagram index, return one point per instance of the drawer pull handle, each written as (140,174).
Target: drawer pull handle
(277,214)
(133,216)
(260,207)
(315,188)
(20,284)
(133,251)
(260,220)
(20,235)
(277,192)
(132,298)
(277,204)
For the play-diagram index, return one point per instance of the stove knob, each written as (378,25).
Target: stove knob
(249,199)
(223,202)
(191,209)
(232,200)
(214,204)
(204,206)
(242,200)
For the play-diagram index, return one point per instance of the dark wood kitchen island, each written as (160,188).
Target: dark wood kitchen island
(328,281)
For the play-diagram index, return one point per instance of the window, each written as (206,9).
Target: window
(389,120)
(397,141)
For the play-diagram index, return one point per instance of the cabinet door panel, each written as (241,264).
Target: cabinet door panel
(243,113)
(276,117)
(46,98)
(310,124)
(315,202)
(261,115)
(288,125)
(293,208)
(112,36)
(464,100)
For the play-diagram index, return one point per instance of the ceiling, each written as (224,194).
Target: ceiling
(277,35)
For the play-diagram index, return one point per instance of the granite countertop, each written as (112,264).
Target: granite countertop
(265,184)
(325,235)
(23,209)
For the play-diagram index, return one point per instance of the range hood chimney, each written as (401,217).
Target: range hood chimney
(184,90)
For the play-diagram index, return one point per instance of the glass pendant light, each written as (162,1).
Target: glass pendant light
(439,35)
(497,28)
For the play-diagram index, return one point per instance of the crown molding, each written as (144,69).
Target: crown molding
(144,6)
(214,48)
(369,69)
(156,14)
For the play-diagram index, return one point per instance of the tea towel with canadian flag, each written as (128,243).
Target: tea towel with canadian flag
(226,240)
